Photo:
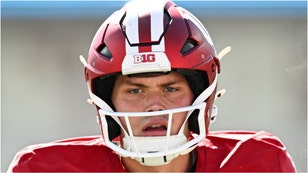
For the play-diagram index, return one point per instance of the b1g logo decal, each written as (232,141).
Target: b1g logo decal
(144,62)
(142,58)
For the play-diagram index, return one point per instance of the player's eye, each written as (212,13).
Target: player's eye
(135,91)
(171,89)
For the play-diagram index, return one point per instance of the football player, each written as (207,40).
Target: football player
(152,74)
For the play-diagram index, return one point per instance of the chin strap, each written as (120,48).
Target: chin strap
(162,160)
(154,144)
(224,52)
(83,61)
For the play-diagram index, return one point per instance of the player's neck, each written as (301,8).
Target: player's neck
(182,163)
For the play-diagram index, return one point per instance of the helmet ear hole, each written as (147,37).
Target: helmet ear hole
(193,124)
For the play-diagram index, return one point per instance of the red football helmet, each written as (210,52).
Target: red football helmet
(145,37)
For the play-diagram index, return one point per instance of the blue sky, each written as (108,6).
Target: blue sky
(92,9)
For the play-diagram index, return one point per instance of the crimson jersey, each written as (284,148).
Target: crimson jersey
(221,151)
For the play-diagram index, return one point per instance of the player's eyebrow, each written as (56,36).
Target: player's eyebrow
(144,85)
(171,83)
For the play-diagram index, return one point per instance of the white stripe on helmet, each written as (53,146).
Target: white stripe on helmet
(156,60)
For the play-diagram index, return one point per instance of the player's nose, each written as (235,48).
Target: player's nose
(154,102)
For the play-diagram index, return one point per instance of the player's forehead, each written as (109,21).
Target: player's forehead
(151,79)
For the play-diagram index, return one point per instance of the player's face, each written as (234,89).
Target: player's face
(155,93)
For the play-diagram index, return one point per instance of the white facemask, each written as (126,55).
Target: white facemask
(154,150)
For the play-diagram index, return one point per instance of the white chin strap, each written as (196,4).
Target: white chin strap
(153,145)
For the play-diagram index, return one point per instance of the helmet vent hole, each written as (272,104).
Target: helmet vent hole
(188,45)
(103,50)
